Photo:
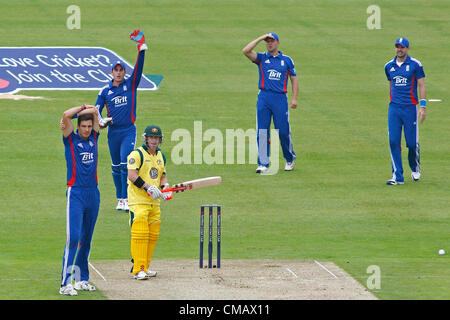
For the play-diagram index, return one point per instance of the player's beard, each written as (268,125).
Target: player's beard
(401,54)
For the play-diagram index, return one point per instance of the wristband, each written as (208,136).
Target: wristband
(83,107)
(423,103)
(139,182)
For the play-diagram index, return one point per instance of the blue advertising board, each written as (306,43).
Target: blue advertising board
(60,68)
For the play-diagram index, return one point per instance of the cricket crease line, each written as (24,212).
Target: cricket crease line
(292,272)
(98,272)
(324,268)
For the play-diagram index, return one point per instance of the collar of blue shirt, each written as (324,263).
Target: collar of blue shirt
(279,55)
(408,59)
(112,86)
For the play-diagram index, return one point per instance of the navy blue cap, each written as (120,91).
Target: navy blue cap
(403,42)
(118,63)
(274,35)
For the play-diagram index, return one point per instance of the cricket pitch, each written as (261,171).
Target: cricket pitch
(181,279)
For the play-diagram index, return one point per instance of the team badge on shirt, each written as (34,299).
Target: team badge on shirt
(154,173)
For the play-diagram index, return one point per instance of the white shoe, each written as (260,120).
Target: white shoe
(84,285)
(394,182)
(289,166)
(415,176)
(151,274)
(119,205)
(125,205)
(141,275)
(261,169)
(68,290)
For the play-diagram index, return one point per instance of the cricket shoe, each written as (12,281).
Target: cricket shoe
(289,166)
(120,205)
(393,181)
(141,275)
(84,285)
(151,274)
(68,290)
(261,169)
(125,205)
(415,176)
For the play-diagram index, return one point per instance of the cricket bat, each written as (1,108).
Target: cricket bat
(194,184)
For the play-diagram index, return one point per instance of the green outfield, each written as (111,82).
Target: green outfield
(334,206)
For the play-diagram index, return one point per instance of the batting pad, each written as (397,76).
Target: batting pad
(140,238)
(153,238)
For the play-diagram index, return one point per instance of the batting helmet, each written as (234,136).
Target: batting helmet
(152,131)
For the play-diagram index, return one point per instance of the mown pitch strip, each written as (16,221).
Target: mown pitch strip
(180,279)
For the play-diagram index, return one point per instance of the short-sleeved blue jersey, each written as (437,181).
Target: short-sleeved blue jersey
(274,71)
(120,101)
(403,79)
(81,160)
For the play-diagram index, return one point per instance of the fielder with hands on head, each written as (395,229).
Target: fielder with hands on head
(274,70)
(119,98)
(146,175)
(83,196)
(405,74)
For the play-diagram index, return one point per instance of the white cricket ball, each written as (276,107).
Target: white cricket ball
(441,251)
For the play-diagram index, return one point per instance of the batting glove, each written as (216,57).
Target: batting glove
(139,38)
(154,192)
(104,122)
(166,195)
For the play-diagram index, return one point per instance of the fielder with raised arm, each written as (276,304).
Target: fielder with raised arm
(119,98)
(146,178)
(83,196)
(274,70)
(405,74)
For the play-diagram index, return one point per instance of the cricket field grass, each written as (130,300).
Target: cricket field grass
(333,207)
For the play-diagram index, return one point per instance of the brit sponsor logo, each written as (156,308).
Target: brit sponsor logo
(87,157)
(119,101)
(59,68)
(274,74)
(400,81)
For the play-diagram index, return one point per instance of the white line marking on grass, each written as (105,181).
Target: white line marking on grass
(323,267)
(435,100)
(292,272)
(98,272)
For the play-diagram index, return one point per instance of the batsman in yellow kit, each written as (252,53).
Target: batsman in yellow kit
(146,178)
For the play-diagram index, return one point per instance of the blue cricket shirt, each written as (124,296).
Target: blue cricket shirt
(120,101)
(274,71)
(404,80)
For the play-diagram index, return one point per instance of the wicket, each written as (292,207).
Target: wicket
(210,235)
